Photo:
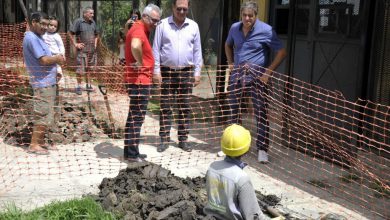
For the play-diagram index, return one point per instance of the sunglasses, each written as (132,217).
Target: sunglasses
(181,9)
(154,20)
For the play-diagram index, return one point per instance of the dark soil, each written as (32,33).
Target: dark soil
(16,123)
(148,191)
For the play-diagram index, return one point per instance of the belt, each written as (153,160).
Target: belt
(181,68)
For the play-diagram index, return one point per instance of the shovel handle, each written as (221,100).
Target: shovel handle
(101,89)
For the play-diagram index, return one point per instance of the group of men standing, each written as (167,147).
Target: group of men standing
(173,64)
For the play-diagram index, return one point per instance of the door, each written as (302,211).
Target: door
(328,42)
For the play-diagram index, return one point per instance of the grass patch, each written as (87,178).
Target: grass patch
(320,184)
(24,91)
(85,208)
(350,177)
(380,191)
(154,106)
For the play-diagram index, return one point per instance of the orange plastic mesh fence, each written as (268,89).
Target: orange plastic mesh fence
(318,141)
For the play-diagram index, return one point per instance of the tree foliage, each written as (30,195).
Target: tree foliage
(113,16)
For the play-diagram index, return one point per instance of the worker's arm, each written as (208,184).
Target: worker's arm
(247,200)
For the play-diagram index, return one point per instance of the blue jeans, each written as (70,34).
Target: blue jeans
(139,98)
(176,89)
(246,82)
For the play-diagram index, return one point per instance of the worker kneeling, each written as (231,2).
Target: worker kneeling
(229,189)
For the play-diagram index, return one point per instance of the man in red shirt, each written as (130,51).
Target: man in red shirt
(138,78)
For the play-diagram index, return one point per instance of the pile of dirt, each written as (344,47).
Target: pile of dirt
(16,123)
(148,191)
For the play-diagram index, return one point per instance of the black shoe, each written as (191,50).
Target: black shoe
(162,147)
(142,156)
(184,146)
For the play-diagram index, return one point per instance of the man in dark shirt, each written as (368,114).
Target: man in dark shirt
(87,35)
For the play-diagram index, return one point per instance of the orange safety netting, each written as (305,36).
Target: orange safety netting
(318,141)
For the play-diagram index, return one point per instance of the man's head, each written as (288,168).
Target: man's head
(39,22)
(235,140)
(248,13)
(151,16)
(88,14)
(180,9)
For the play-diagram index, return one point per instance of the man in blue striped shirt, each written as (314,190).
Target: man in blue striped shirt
(178,59)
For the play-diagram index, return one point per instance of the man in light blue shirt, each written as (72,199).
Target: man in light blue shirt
(42,68)
(247,50)
(178,59)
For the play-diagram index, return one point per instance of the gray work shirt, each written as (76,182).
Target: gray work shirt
(230,192)
(86,32)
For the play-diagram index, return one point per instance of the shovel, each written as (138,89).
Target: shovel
(110,118)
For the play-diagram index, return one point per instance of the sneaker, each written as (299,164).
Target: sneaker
(162,147)
(184,146)
(79,90)
(262,157)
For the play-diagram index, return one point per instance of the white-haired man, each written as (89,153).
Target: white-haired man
(138,78)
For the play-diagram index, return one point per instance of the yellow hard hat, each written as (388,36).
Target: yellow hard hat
(235,140)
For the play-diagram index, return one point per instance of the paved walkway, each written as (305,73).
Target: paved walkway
(32,181)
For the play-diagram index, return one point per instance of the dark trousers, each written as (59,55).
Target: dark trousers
(139,98)
(176,89)
(248,83)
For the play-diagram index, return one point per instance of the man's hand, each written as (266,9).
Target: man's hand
(265,77)
(157,79)
(59,76)
(230,66)
(197,81)
(137,65)
(130,21)
(79,46)
(60,59)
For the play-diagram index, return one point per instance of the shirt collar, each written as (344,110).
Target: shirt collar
(89,22)
(253,27)
(170,21)
(235,161)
